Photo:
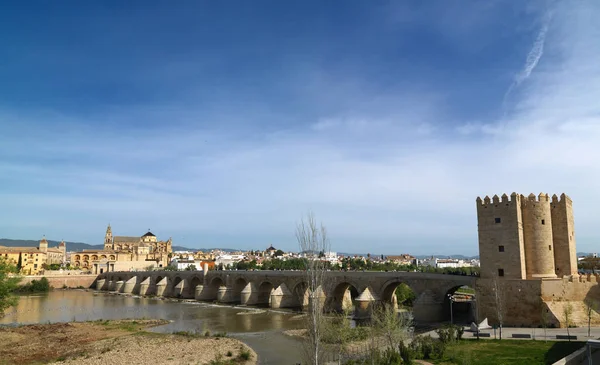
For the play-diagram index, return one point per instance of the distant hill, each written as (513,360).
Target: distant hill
(71,246)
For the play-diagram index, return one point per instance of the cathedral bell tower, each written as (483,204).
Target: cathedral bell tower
(108,239)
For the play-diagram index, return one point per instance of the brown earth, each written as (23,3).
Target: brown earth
(115,342)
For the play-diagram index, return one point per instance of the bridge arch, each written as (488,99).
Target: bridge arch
(343,296)
(398,293)
(264,293)
(300,292)
(459,304)
(158,279)
(239,285)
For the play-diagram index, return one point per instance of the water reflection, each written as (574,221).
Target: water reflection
(260,328)
(65,306)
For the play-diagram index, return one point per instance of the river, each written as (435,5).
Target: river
(259,328)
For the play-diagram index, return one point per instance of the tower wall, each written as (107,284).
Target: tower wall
(563,236)
(43,247)
(108,239)
(500,224)
(537,231)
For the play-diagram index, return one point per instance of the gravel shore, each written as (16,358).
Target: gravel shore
(116,342)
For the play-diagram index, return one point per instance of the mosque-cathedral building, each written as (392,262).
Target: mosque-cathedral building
(124,253)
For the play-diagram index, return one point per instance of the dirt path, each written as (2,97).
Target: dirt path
(115,342)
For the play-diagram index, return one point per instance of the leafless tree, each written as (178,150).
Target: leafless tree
(590,308)
(394,327)
(567,314)
(312,239)
(498,290)
(544,316)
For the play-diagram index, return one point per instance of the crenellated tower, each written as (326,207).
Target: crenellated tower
(537,232)
(108,239)
(501,243)
(526,237)
(563,234)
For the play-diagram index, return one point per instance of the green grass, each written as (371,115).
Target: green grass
(506,352)
(465,290)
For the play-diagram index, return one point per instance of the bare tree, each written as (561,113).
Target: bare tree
(499,302)
(394,327)
(544,316)
(312,239)
(590,308)
(567,314)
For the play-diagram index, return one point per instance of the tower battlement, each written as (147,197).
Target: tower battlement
(486,201)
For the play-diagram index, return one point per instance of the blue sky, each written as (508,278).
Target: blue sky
(222,124)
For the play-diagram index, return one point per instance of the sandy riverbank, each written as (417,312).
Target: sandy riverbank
(115,342)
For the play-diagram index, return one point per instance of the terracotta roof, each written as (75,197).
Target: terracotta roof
(149,234)
(119,239)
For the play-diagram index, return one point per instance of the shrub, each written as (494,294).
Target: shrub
(407,353)
(36,286)
(245,355)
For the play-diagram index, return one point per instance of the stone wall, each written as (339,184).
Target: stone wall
(517,301)
(574,292)
(531,303)
(71,281)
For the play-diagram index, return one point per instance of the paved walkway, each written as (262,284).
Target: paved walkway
(535,333)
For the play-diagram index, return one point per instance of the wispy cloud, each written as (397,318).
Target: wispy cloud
(533,57)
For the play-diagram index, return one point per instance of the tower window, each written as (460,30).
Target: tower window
(500,248)
(543,221)
(500,272)
(549,247)
(497,220)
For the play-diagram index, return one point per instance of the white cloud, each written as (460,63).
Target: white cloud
(388,177)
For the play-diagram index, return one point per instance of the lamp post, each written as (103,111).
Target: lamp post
(451,297)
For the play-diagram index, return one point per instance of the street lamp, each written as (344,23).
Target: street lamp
(451,297)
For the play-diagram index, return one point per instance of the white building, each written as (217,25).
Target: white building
(183,262)
(228,259)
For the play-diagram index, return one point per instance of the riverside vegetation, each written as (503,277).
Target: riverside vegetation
(449,349)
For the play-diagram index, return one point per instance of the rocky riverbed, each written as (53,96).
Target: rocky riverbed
(116,342)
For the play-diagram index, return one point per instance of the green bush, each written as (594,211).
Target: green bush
(35,286)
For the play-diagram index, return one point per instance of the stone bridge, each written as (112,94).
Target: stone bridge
(288,289)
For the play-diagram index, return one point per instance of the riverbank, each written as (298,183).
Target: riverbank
(116,342)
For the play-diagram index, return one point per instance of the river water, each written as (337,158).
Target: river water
(259,328)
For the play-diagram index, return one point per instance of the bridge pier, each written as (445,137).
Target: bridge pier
(111,285)
(161,287)
(428,308)
(119,286)
(365,304)
(129,285)
(282,297)
(144,287)
(205,293)
(178,290)
(225,295)
(100,283)
(249,295)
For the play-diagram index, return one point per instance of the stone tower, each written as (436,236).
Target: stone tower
(563,234)
(501,243)
(537,232)
(108,239)
(526,237)
(43,245)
